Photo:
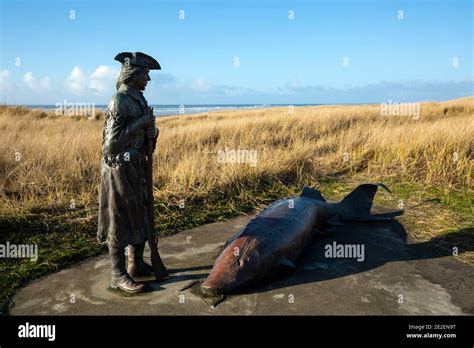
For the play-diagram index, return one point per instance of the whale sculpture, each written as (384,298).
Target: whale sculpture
(276,237)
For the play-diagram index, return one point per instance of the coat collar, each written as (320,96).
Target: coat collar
(132,91)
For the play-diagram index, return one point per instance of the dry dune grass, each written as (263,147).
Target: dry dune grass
(47,159)
(48,163)
(313,142)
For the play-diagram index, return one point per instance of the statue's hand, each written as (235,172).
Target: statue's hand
(149,123)
(147,120)
(151,132)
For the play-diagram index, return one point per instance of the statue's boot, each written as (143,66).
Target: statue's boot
(120,278)
(137,267)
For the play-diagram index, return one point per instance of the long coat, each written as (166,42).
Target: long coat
(123,200)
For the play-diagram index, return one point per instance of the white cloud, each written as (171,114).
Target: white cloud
(101,81)
(164,79)
(103,78)
(402,91)
(199,85)
(40,85)
(4,80)
(77,81)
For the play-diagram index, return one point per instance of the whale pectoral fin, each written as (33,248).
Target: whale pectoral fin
(287,263)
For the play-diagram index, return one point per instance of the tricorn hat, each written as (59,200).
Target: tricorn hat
(138,59)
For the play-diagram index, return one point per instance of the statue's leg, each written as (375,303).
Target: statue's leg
(137,267)
(120,278)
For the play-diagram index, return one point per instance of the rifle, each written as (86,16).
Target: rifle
(159,268)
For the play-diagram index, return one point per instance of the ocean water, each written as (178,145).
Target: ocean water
(167,110)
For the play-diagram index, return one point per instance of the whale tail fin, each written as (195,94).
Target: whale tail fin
(357,204)
(312,193)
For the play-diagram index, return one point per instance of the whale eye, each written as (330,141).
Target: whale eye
(241,262)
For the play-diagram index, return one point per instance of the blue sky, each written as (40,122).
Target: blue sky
(281,60)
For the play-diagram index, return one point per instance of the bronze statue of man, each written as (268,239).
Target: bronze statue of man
(123,201)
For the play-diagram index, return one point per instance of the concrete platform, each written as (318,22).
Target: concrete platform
(395,277)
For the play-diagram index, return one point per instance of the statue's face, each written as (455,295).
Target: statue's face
(142,79)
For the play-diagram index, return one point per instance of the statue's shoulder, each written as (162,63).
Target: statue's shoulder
(120,102)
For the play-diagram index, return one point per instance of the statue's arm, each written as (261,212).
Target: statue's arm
(124,128)
(156,138)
